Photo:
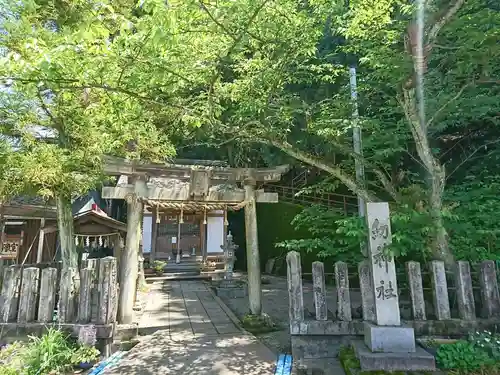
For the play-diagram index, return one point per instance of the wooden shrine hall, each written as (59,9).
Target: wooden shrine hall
(183,199)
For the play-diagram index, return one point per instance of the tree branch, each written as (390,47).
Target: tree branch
(439,46)
(174,73)
(467,158)
(226,30)
(208,144)
(214,20)
(439,24)
(55,121)
(347,180)
(381,175)
(443,107)
(141,46)
(96,86)
(233,46)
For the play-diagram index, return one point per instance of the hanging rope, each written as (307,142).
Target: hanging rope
(194,206)
(97,235)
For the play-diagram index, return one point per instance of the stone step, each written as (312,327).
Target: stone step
(179,276)
(420,360)
(182,265)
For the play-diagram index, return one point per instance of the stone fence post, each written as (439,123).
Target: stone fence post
(343,294)
(489,290)
(295,295)
(318,274)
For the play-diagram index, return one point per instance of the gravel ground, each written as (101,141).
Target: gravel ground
(275,303)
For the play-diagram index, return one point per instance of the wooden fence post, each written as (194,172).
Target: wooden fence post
(10,293)
(68,291)
(28,295)
(107,286)
(48,288)
(85,298)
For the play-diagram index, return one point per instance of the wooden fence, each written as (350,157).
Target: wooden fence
(33,298)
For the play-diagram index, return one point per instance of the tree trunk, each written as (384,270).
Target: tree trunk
(436,177)
(439,241)
(253,258)
(69,255)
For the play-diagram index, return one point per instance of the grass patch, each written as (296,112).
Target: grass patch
(259,324)
(128,344)
(265,280)
(351,364)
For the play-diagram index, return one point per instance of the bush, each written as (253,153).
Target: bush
(481,351)
(51,352)
(258,324)
(84,354)
(159,266)
(54,352)
(462,355)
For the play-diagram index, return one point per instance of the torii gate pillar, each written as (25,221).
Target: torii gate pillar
(252,245)
(129,262)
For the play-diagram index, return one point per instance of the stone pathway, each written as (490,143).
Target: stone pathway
(197,336)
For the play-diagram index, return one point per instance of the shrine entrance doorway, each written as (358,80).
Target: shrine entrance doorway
(185,233)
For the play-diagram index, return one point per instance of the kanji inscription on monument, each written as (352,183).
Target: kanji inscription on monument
(382,264)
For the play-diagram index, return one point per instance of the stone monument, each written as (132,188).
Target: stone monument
(388,344)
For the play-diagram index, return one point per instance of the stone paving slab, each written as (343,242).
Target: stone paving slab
(217,355)
(197,337)
(185,308)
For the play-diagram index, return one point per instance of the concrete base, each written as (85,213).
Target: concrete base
(231,291)
(420,360)
(389,339)
(318,367)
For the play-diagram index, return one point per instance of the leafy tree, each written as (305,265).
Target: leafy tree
(275,73)
(63,134)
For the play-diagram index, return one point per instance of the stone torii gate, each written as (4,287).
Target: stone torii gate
(187,184)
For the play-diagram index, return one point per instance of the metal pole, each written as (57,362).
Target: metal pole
(356,138)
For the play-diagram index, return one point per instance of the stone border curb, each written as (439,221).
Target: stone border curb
(234,319)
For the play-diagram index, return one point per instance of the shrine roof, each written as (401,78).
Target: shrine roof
(218,171)
(205,163)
